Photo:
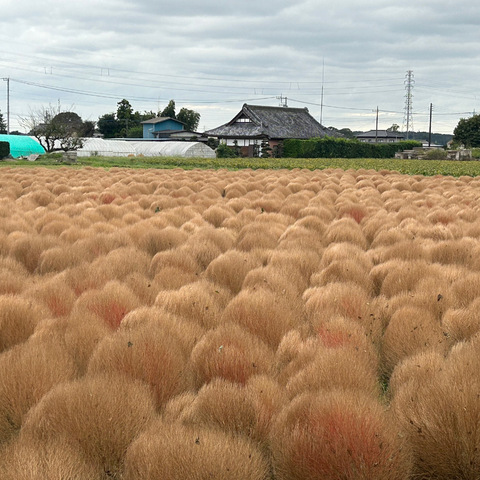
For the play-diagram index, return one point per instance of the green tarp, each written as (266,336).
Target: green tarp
(22,145)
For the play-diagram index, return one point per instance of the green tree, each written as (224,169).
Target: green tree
(125,116)
(124,110)
(393,128)
(54,129)
(109,126)
(88,128)
(346,132)
(169,110)
(69,127)
(3,125)
(190,118)
(467,132)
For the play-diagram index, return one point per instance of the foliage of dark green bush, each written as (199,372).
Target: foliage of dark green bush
(329,147)
(436,154)
(4,149)
(224,151)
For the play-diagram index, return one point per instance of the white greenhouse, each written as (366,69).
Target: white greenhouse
(123,148)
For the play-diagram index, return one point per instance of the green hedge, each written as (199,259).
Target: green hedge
(329,147)
(4,149)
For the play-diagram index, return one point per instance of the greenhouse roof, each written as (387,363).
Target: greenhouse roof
(123,148)
(22,145)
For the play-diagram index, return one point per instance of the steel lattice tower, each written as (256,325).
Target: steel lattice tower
(408,115)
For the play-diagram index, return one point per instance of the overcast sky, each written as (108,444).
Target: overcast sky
(212,56)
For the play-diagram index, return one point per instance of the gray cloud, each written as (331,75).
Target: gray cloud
(213,56)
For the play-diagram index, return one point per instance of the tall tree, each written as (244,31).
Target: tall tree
(169,110)
(467,132)
(190,118)
(125,116)
(124,109)
(3,125)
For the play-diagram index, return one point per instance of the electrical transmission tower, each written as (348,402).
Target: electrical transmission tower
(408,116)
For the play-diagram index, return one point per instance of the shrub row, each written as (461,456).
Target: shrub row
(329,147)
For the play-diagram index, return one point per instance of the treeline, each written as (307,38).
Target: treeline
(329,147)
(126,122)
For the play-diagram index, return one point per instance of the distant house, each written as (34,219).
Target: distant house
(380,136)
(161,127)
(255,123)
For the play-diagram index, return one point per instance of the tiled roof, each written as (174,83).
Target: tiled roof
(380,134)
(271,122)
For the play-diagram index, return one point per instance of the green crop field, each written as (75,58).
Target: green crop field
(410,167)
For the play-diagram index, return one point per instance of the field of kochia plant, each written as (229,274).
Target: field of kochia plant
(210,324)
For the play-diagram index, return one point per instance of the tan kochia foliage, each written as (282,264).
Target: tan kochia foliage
(227,295)
(230,269)
(411,330)
(176,452)
(148,353)
(335,434)
(242,409)
(27,372)
(18,319)
(201,302)
(98,416)
(187,333)
(262,313)
(462,323)
(32,459)
(439,416)
(416,369)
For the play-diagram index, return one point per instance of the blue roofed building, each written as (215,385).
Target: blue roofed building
(162,127)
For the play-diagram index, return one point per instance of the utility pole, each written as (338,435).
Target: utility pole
(7,79)
(321,97)
(376,128)
(430,126)
(283,101)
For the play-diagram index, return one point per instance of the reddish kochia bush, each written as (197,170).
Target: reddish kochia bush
(344,299)
(232,353)
(337,435)
(110,304)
